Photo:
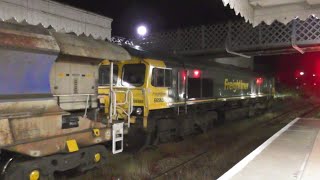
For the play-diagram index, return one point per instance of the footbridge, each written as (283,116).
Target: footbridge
(238,38)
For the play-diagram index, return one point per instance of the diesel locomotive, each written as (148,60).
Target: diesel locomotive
(174,97)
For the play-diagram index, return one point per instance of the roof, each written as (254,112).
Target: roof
(174,59)
(31,38)
(268,11)
(60,17)
(90,48)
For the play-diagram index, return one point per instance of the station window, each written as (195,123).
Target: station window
(133,74)
(104,75)
(161,77)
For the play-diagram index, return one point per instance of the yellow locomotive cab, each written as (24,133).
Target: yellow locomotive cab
(145,96)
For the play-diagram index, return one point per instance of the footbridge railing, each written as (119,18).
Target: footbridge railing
(238,37)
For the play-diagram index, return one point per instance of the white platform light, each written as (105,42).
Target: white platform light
(142,30)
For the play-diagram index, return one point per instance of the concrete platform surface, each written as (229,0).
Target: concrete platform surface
(293,153)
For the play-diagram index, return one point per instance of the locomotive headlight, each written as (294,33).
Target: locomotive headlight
(139,111)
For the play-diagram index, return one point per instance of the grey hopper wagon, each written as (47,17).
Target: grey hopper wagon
(48,100)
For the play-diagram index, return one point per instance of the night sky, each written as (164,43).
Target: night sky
(159,16)
(166,15)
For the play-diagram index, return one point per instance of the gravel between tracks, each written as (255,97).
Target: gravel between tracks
(218,149)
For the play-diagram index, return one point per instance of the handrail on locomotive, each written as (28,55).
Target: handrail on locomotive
(113,105)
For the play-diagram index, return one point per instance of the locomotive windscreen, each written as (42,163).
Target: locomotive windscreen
(133,74)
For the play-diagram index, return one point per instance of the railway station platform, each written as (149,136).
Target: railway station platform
(292,153)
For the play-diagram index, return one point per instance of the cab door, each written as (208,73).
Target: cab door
(182,85)
(161,83)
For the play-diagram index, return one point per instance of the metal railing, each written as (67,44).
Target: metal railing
(114,105)
(277,38)
(75,95)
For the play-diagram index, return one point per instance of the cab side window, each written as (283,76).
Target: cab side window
(161,77)
(104,75)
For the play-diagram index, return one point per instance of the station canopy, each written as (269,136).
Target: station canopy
(60,17)
(268,11)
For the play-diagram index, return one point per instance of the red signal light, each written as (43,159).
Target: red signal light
(184,75)
(196,73)
(259,81)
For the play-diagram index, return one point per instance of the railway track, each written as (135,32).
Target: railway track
(270,122)
(280,118)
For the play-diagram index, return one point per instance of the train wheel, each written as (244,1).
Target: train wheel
(205,120)
(24,170)
(211,118)
(22,167)
(138,139)
(269,104)
(168,130)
